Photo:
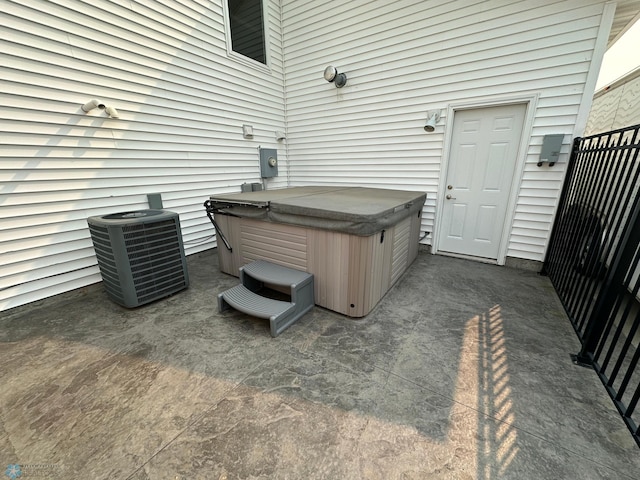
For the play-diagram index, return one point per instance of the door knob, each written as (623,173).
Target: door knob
(449,197)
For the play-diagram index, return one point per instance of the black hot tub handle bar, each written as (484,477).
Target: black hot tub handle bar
(208,205)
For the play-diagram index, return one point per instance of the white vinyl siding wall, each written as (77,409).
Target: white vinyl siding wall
(182,102)
(617,106)
(406,57)
(183,97)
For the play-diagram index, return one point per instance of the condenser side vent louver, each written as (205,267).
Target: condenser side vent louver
(140,255)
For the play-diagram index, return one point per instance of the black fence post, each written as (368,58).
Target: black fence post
(575,147)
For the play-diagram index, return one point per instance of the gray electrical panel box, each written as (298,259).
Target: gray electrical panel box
(251,187)
(551,145)
(268,162)
(155,201)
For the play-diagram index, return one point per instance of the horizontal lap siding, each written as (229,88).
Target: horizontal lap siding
(182,102)
(617,106)
(406,57)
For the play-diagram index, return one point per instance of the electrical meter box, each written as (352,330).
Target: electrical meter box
(268,162)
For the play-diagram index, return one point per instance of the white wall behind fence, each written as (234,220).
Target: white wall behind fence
(406,57)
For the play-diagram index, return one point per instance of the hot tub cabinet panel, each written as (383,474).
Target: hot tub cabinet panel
(352,272)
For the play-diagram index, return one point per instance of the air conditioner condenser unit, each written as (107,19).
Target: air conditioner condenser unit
(140,255)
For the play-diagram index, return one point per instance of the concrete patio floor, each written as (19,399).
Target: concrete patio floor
(462,371)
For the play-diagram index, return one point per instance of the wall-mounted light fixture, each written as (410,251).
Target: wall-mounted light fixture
(331,75)
(112,112)
(432,118)
(91,104)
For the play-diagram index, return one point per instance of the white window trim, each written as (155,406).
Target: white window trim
(243,58)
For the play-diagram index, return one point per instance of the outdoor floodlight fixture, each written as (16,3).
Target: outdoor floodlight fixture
(112,112)
(91,104)
(432,119)
(331,75)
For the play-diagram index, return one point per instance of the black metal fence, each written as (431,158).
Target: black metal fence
(593,261)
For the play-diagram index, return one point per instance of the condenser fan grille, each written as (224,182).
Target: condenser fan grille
(107,261)
(155,257)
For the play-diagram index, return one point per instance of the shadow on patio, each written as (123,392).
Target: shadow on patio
(462,371)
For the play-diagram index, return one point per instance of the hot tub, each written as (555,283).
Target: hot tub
(356,241)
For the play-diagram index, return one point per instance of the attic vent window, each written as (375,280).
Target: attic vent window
(246,22)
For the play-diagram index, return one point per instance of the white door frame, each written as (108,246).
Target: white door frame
(531,103)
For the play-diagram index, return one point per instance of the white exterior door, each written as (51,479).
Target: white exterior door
(484,151)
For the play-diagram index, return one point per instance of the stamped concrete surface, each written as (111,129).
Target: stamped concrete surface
(462,371)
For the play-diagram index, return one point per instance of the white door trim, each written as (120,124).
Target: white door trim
(531,102)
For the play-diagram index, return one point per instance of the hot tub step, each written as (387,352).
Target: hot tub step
(244,300)
(268,272)
(246,297)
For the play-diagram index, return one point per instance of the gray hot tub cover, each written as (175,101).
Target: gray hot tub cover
(354,210)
